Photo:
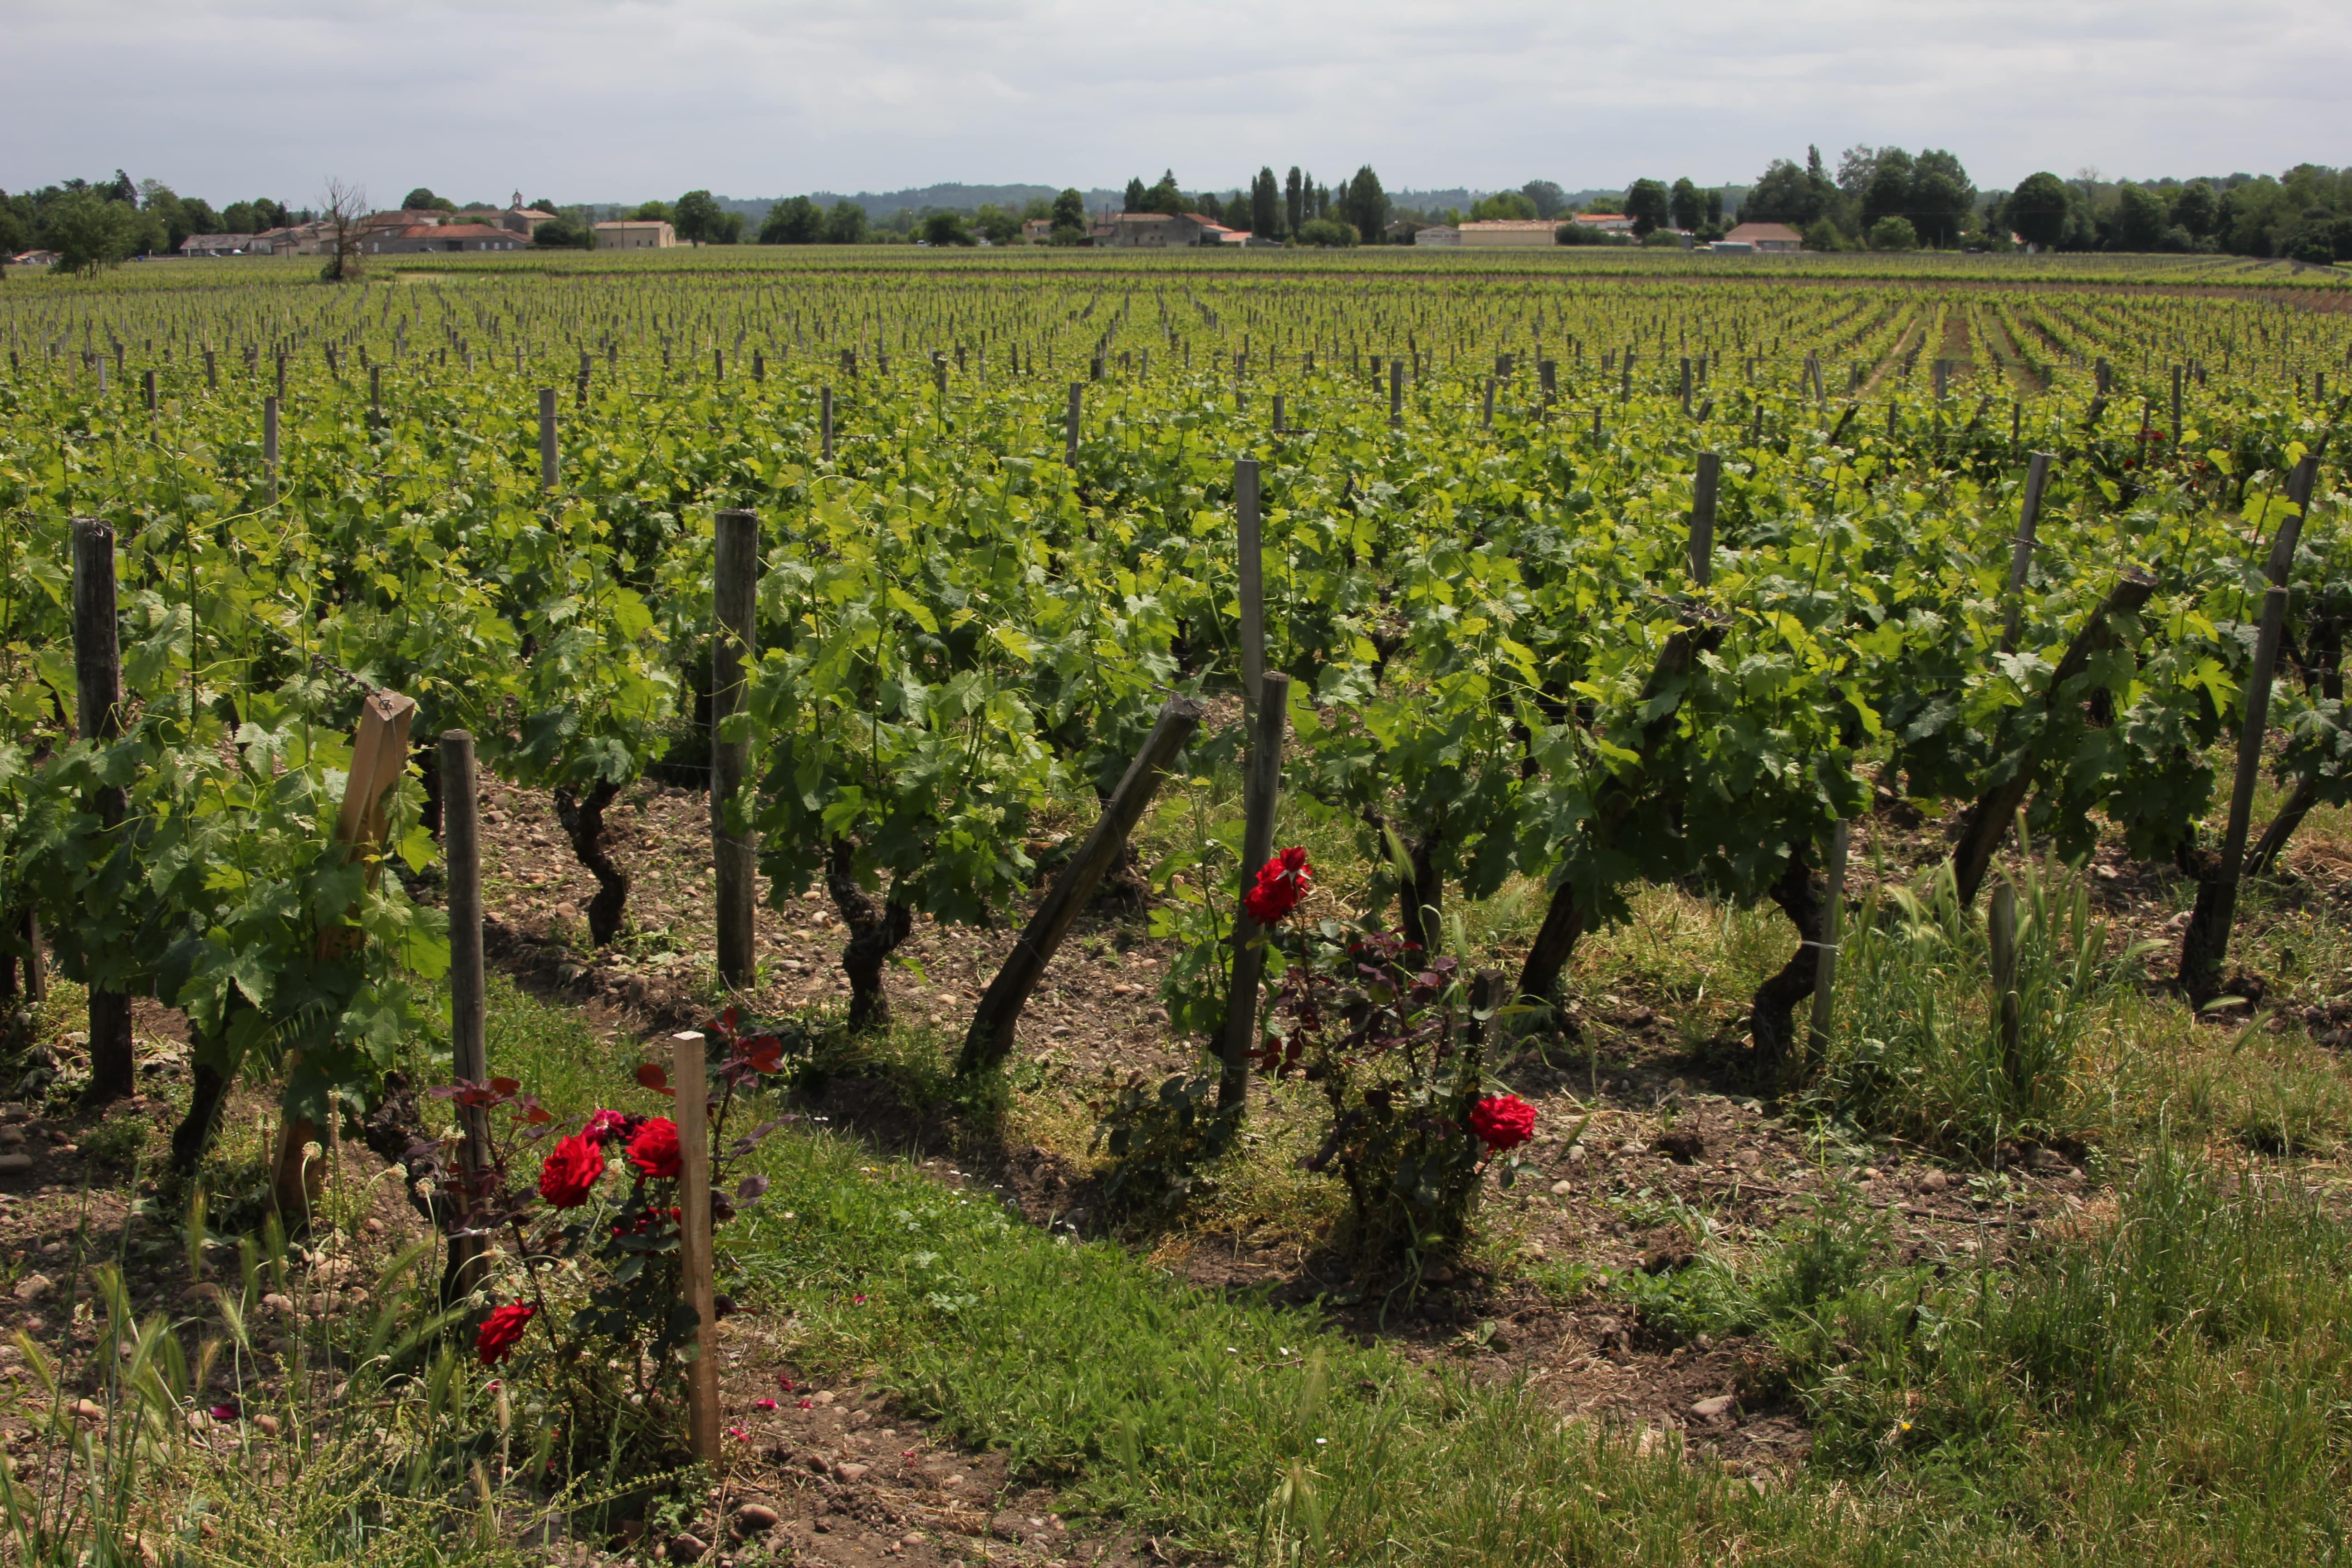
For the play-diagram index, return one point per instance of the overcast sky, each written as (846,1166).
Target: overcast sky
(622,99)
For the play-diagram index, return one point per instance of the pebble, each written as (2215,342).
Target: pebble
(912,1538)
(852,1472)
(33,1287)
(1934,1181)
(755,1518)
(1576,1153)
(1562,1188)
(373,1225)
(11,1164)
(90,1410)
(268,1424)
(275,1302)
(824,1398)
(688,1549)
(1708,1409)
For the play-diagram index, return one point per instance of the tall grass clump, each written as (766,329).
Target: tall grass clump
(1922,1047)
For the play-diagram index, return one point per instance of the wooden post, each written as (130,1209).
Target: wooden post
(281,378)
(735,583)
(2020,556)
(1832,924)
(98,695)
(1250,574)
(147,386)
(1686,383)
(824,419)
(2177,377)
(2206,944)
(687,1075)
(1070,432)
(1396,394)
(461,853)
(1625,390)
(1702,525)
(375,391)
(1261,794)
(989,1038)
(270,444)
(2001,933)
(1486,420)
(547,452)
(211,373)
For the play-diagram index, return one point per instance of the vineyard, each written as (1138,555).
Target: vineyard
(1722,898)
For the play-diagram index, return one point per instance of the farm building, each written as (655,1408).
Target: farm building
(636,234)
(1438,233)
(1605,223)
(1768,236)
(217,245)
(438,237)
(1501,231)
(1156,231)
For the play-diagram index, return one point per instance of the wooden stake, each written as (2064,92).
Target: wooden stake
(269,441)
(1250,571)
(1261,796)
(2021,557)
(1702,526)
(1833,925)
(825,419)
(1070,434)
(546,452)
(687,1077)
(735,583)
(2000,932)
(989,1038)
(98,695)
(461,853)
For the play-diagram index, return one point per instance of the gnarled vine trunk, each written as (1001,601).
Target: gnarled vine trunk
(876,927)
(582,817)
(1771,1015)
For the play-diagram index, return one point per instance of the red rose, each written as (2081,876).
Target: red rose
(605,1126)
(1502,1121)
(653,1149)
(1281,883)
(501,1332)
(571,1171)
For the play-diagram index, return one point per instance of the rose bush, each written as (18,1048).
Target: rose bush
(610,1249)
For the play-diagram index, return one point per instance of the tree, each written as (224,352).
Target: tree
(2140,218)
(947,229)
(796,220)
(544,205)
(342,206)
(1888,195)
(1549,199)
(1715,208)
(1000,227)
(1133,201)
(88,231)
(1855,166)
(1294,197)
(158,201)
(1505,205)
(1783,193)
(1645,203)
(846,225)
(1164,198)
(2036,210)
(1683,203)
(1368,205)
(1069,217)
(1208,207)
(1893,233)
(1265,205)
(697,216)
(1939,209)
(2195,209)
(1327,233)
(422,200)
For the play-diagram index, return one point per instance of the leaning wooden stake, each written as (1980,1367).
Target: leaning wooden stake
(2021,555)
(694,1242)
(1988,819)
(1261,796)
(379,756)
(2206,944)
(989,1038)
(1702,525)
(461,853)
(735,581)
(97,683)
(549,471)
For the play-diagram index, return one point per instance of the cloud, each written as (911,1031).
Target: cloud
(623,98)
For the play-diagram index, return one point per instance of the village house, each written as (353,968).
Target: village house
(1156,231)
(1604,223)
(1438,233)
(217,244)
